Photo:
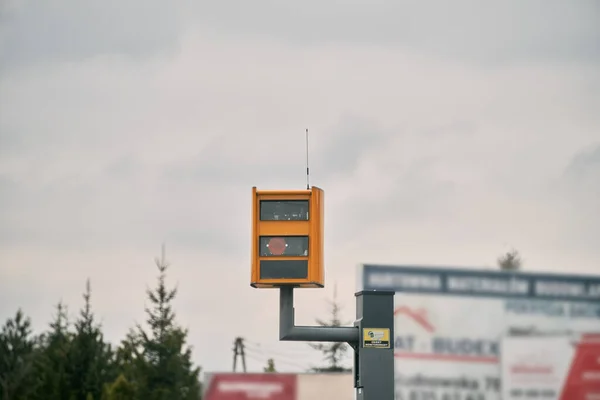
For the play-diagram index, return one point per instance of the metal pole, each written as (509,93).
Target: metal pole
(374,357)
(371,337)
(288,331)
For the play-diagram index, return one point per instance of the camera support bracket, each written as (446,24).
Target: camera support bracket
(371,337)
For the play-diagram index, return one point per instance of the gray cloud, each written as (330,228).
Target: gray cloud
(44,32)
(576,194)
(513,30)
(9,200)
(333,151)
(581,181)
(345,144)
(118,207)
(586,164)
(459,127)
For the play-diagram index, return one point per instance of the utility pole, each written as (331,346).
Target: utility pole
(238,350)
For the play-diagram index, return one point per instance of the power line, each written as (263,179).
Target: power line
(263,358)
(276,353)
(272,355)
(263,352)
(289,351)
(280,358)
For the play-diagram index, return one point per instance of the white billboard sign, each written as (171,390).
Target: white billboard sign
(449,323)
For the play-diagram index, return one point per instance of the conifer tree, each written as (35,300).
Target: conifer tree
(17,358)
(166,364)
(90,356)
(54,366)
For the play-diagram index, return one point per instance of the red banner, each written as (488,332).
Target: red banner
(583,382)
(268,386)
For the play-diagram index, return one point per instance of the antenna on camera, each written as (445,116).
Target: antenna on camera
(307,170)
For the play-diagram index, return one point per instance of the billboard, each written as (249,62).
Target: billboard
(449,323)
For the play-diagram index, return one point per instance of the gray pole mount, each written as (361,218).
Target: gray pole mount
(371,337)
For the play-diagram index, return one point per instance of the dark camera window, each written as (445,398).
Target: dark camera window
(284,210)
(283,246)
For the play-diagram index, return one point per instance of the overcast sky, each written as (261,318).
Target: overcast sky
(443,133)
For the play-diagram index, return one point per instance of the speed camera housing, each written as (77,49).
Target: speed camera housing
(287,238)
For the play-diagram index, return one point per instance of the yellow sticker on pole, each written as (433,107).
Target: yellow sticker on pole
(378,338)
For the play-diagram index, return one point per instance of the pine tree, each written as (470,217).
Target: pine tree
(17,358)
(333,352)
(53,369)
(90,357)
(166,365)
